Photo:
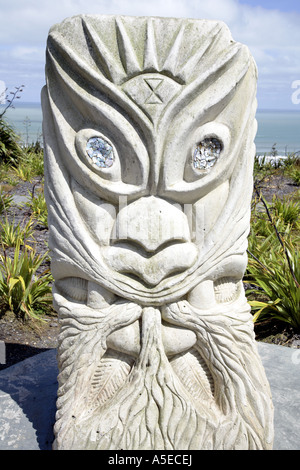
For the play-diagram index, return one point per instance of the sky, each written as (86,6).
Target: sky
(270,28)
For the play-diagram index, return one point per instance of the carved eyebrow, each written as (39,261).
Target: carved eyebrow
(76,76)
(104,66)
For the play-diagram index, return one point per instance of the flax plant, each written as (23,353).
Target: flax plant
(273,270)
(25,292)
(11,234)
(38,207)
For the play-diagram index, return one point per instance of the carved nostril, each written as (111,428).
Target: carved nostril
(151,223)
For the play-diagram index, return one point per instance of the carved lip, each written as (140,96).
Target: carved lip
(152,270)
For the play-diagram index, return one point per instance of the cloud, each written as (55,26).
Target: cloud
(272,36)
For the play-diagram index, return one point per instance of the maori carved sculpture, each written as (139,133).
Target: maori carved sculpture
(149,126)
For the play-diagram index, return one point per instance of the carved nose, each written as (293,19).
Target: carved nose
(152,223)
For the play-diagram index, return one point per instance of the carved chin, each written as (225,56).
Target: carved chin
(172,260)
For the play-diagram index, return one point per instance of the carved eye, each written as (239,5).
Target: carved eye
(96,150)
(206,153)
(100,152)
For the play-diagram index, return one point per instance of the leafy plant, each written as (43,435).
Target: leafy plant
(262,167)
(294,173)
(11,234)
(30,164)
(35,159)
(287,210)
(5,201)
(24,172)
(23,291)
(273,269)
(39,208)
(10,149)
(291,161)
(275,285)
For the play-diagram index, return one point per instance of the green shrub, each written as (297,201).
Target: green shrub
(291,161)
(10,149)
(273,270)
(22,290)
(262,167)
(30,164)
(274,280)
(35,160)
(287,210)
(294,174)
(5,201)
(39,209)
(11,234)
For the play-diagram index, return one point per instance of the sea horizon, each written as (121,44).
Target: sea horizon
(278,129)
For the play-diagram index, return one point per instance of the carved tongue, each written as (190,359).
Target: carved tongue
(152,350)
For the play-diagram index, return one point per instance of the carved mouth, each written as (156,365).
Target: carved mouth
(173,259)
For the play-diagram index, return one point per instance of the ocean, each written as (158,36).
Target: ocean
(279,128)
(26,119)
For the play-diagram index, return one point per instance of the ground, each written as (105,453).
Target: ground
(24,340)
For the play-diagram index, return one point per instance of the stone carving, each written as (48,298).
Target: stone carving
(149,126)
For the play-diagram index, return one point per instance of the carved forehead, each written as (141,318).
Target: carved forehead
(156,63)
(121,47)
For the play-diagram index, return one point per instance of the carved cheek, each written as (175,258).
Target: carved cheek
(224,286)
(207,210)
(98,216)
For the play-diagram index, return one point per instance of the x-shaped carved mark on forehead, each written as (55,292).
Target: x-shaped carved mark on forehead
(154,84)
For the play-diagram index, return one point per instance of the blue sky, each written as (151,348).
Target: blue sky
(270,28)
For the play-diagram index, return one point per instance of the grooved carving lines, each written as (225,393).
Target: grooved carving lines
(154,85)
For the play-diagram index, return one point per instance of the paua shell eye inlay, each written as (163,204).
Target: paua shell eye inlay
(100,152)
(206,153)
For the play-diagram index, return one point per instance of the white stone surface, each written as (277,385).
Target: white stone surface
(149,243)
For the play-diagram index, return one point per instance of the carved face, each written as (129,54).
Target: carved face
(149,127)
(152,137)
